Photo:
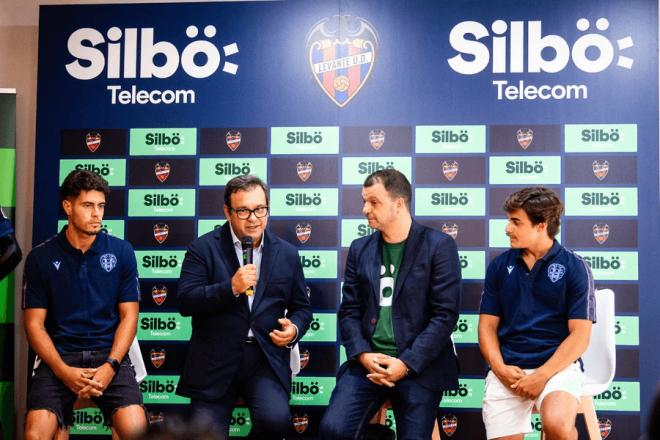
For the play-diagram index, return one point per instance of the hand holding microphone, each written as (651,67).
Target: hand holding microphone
(245,277)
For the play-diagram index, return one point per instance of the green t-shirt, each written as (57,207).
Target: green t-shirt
(383,337)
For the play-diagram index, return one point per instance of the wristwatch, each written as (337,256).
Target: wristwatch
(114,363)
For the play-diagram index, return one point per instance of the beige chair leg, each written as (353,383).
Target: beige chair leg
(587,408)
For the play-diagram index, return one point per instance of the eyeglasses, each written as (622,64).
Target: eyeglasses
(245,213)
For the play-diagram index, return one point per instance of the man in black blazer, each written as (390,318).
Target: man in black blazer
(245,317)
(400,304)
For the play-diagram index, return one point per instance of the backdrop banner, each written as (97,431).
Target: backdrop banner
(471,100)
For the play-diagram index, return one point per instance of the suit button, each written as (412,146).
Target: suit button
(373,321)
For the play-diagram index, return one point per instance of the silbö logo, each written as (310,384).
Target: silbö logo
(122,49)
(507,54)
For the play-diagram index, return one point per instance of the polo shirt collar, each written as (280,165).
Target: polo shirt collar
(554,250)
(97,246)
(238,244)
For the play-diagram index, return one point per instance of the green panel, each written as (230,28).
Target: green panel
(304,202)
(600,138)
(304,140)
(161,390)
(465,330)
(219,171)
(319,264)
(525,170)
(607,266)
(7,299)
(164,327)
(163,141)
(8,177)
(536,428)
(207,225)
(619,396)
(342,354)
(322,329)
(450,201)
(600,201)
(352,229)
(161,202)
(626,330)
(450,139)
(356,169)
(89,421)
(240,424)
(7,409)
(473,264)
(470,393)
(112,170)
(159,264)
(311,391)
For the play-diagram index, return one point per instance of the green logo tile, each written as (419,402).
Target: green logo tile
(620,396)
(525,170)
(356,169)
(322,329)
(601,201)
(600,138)
(626,330)
(172,202)
(163,141)
(465,330)
(159,264)
(473,264)
(161,390)
(304,140)
(319,264)
(450,139)
(308,202)
(607,266)
(89,421)
(450,201)
(311,391)
(352,229)
(164,326)
(470,393)
(219,171)
(240,423)
(112,170)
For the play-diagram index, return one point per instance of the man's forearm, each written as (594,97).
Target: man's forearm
(124,336)
(489,345)
(43,346)
(568,352)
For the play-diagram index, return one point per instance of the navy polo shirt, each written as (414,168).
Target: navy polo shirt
(81,291)
(534,306)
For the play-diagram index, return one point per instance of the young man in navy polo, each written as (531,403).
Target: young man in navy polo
(535,322)
(80,301)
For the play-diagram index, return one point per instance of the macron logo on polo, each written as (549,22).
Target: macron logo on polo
(57,264)
(510,269)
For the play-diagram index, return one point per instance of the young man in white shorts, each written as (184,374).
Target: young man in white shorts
(535,321)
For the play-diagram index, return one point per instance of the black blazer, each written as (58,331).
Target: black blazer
(424,308)
(220,321)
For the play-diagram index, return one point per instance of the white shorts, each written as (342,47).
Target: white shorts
(506,413)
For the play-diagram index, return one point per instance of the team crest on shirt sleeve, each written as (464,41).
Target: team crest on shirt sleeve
(108,262)
(556,272)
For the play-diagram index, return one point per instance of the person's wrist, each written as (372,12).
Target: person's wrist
(113,364)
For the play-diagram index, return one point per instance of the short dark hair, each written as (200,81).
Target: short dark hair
(542,205)
(394,182)
(82,180)
(243,183)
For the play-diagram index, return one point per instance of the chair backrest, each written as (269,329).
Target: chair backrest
(600,358)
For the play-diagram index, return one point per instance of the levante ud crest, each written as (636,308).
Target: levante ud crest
(342,51)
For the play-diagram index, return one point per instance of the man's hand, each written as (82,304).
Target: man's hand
(383,369)
(530,385)
(282,337)
(244,278)
(509,374)
(396,368)
(78,379)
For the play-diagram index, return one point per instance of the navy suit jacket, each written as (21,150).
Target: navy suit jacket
(220,320)
(424,308)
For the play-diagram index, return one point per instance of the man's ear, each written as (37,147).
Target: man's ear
(66,205)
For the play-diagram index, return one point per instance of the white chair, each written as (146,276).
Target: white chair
(599,360)
(294,361)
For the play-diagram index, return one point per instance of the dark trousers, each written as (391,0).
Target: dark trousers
(263,393)
(356,399)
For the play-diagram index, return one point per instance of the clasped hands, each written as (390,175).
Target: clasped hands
(383,369)
(520,383)
(88,382)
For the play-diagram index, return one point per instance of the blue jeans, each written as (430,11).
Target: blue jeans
(356,399)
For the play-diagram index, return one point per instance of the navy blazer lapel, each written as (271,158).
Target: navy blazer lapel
(371,257)
(228,252)
(268,258)
(413,246)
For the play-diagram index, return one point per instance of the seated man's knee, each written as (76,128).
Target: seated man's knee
(40,424)
(558,428)
(332,429)
(275,421)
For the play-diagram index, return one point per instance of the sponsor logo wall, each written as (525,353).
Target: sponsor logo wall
(170,102)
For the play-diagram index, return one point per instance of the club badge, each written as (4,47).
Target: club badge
(525,136)
(451,230)
(161,231)
(600,169)
(601,232)
(377,138)
(449,424)
(93,141)
(157,357)
(159,294)
(162,170)
(233,139)
(450,169)
(304,170)
(303,232)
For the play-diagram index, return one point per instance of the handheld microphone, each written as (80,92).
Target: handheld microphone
(246,244)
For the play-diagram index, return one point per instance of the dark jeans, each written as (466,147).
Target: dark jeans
(356,399)
(49,392)
(263,393)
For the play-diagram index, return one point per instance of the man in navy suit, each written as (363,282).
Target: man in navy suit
(400,304)
(245,317)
